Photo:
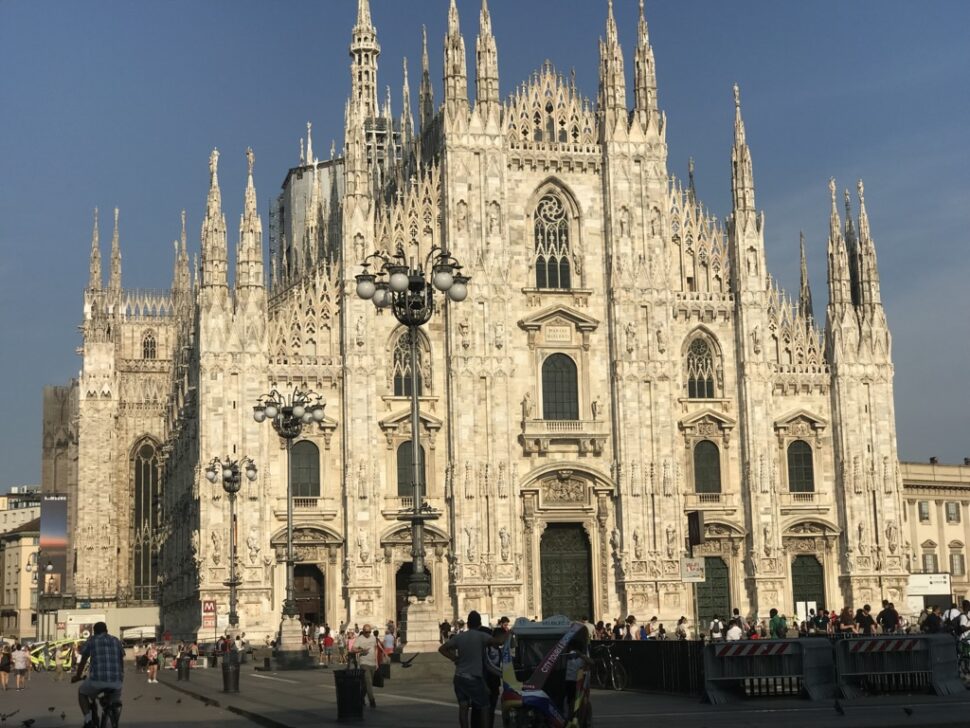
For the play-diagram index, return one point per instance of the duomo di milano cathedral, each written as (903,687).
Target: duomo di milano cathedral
(623,358)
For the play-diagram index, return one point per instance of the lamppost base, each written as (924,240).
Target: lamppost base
(290,652)
(421,625)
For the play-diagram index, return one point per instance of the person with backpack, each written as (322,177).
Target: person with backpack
(777,625)
(951,619)
(717,628)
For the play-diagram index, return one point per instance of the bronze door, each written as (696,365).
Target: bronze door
(714,593)
(808,582)
(565,571)
(308,593)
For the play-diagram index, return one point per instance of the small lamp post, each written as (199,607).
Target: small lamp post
(289,414)
(230,472)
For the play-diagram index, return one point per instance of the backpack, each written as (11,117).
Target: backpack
(782,629)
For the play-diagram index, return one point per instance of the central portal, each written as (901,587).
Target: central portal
(566,571)
(308,593)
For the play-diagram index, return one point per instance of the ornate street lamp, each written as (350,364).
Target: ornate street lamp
(289,415)
(405,288)
(230,472)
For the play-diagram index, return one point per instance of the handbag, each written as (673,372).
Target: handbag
(378,679)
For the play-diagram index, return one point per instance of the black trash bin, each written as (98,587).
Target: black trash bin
(183,668)
(213,659)
(350,695)
(230,675)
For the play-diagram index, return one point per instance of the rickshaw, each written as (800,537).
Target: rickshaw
(48,655)
(534,690)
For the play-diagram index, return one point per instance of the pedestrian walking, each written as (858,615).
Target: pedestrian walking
(328,646)
(20,659)
(467,651)
(367,648)
(152,654)
(6,664)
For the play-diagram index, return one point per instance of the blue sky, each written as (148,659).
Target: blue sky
(119,103)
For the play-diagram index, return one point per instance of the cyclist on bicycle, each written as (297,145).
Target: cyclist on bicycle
(106,657)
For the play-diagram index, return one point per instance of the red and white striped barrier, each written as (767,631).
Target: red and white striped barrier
(753,649)
(884,645)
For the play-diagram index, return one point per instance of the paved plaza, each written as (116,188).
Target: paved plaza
(421,697)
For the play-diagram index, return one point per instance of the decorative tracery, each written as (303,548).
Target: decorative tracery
(401,366)
(551,226)
(700,370)
(149,348)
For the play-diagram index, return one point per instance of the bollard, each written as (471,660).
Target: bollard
(183,669)
(350,695)
(230,674)
(267,664)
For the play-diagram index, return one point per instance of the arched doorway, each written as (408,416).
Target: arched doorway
(566,576)
(308,593)
(714,593)
(808,584)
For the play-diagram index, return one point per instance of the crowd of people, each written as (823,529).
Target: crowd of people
(342,646)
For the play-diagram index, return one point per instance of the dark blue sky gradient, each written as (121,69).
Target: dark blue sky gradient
(119,103)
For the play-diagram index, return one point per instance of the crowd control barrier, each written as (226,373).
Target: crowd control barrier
(768,667)
(665,666)
(888,663)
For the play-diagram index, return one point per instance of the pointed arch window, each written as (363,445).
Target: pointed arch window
(707,467)
(801,471)
(147,506)
(551,228)
(700,370)
(305,461)
(405,477)
(401,366)
(149,349)
(560,395)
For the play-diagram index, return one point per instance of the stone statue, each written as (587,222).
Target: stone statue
(345,572)
(671,540)
(462,215)
(756,339)
(597,408)
(527,406)
(892,536)
(499,334)
(195,542)
(360,328)
(216,548)
(661,340)
(359,247)
(615,540)
(493,223)
(863,539)
(471,542)
(252,543)
(768,545)
(362,480)
(464,333)
(631,337)
(637,544)
(363,545)
(505,542)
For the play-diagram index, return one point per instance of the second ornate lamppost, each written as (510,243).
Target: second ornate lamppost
(405,288)
(230,472)
(289,414)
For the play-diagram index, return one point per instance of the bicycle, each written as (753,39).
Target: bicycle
(608,671)
(110,709)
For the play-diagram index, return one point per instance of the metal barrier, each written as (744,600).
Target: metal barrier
(768,667)
(898,662)
(669,666)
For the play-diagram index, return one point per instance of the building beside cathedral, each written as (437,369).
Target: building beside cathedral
(623,359)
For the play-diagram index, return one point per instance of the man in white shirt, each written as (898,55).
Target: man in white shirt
(366,647)
(734,631)
(717,628)
(963,622)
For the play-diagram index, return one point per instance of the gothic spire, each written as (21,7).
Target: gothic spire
(868,269)
(364,50)
(805,291)
(838,263)
(95,280)
(180,273)
(852,246)
(309,143)
(645,71)
(249,252)
(742,174)
(612,91)
(114,281)
(214,251)
(407,119)
(486,63)
(691,189)
(456,70)
(426,91)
